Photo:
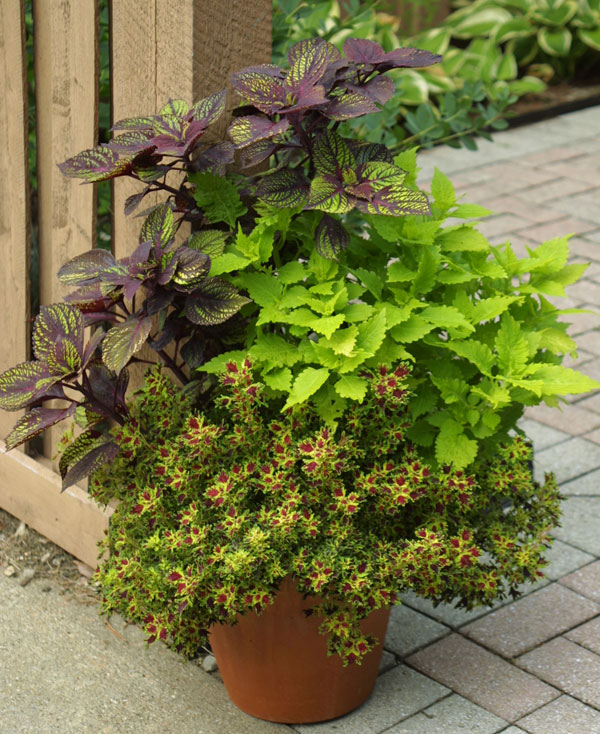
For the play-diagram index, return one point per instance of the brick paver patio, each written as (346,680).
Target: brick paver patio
(532,665)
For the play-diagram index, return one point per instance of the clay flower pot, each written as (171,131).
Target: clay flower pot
(275,665)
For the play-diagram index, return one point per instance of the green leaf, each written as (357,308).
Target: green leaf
(274,351)
(555,42)
(343,341)
(442,190)
(453,447)
(559,380)
(351,387)
(591,37)
(291,272)
(511,347)
(218,198)
(279,379)
(462,238)
(407,161)
(209,241)
(427,271)
(398,273)
(411,330)
(263,288)
(476,352)
(159,226)
(286,189)
(370,280)
(371,334)
(489,308)
(470,211)
(123,340)
(227,263)
(306,384)
(328,195)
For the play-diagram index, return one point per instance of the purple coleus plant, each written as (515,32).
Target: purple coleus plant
(163,294)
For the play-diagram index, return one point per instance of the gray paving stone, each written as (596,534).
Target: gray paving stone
(482,677)
(585,580)
(568,460)
(565,715)
(541,435)
(568,666)
(587,635)
(580,523)
(452,715)
(409,630)
(526,623)
(400,693)
(448,614)
(388,661)
(513,730)
(563,559)
(588,484)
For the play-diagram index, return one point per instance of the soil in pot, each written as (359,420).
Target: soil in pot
(275,665)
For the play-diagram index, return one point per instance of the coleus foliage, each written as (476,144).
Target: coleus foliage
(473,320)
(216,508)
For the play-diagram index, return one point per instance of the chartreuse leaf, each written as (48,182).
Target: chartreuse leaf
(559,380)
(213,302)
(411,330)
(549,257)
(427,271)
(462,238)
(343,341)
(216,365)
(285,188)
(476,352)
(511,347)
(34,422)
(279,379)
(24,384)
(442,190)
(350,386)
(159,226)
(263,288)
(371,334)
(446,317)
(123,340)
(489,308)
(453,447)
(291,272)
(274,351)
(371,280)
(327,194)
(407,161)
(228,263)
(56,323)
(96,164)
(470,211)
(306,384)
(331,154)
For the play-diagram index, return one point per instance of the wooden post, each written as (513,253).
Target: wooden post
(14,201)
(66,72)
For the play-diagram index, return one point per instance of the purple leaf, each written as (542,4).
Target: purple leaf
(364,151)
(260,89)
(408,57)
(209,241)
(192,267)
(99,317)
(84,456)
(257,153)
(363,51)
(379,89)
(309,97)
(303,47)
(284,189)
(123,340)
(246,130)
(139,255)
(133,141)
(215,159)
(307,69)
(327,194)
(132,202)
(332,154)
(271,70)
(87,268)
(330,237)
(158,300)
(54,325)
(215,302)
(349,105)
(192,352)
(24,384)
(165,335)
(158,227)
(134,123)
(209,109)
(96,164)
(175,108)
(131,287)
(35,422)
(91,346)
(93,297)
(395,201)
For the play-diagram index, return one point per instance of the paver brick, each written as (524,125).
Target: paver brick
(584,247)
(590,340)
(576,168)
(448,614)
(583,205)
(567,666)
(517,627)
(592,402)
(587,635)
(585,581)
(537,214)
(564,559)
(558,153)
(542,435)
(557,228)
(574,419)
(579,523)
(399,693)
(585,291)
(482,677)
(565,715)
(594,436)
(554,189)
(388,661)
(501,224)
(451,715)
(569,459)
(589,484)
(408,630)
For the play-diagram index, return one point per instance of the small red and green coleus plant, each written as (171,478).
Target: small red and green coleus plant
(178,297)
(215,508)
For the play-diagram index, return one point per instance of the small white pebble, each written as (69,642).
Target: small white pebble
(10,571)
(209,664)
(21,530)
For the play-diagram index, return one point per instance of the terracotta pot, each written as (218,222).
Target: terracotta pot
(275,666)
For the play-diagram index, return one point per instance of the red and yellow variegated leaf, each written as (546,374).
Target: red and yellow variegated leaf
(327,194)
(24,384)
(330,237)
(257,153)
(364,151)
(379,175)
(57,323)
(308,68)
(133,141)
(285,189)
(158,227)
(123,340)
(175,108)
(215,302)
(260,89)
(134,123)
(88,452)
(395,201)
(303,47)
(96,164)
(332,154)
(192,267)
(209,109)
(209,241)
(408,57)
(246,130)
(35,422)
(363,51)
(87,268)
(349,105)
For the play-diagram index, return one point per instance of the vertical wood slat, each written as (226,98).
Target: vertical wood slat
(14,201)
(66,69)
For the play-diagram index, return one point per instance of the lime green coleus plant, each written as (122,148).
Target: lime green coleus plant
(472,319)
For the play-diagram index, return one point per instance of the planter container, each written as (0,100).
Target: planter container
(275,665)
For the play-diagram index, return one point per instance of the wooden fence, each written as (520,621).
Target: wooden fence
(159,49)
